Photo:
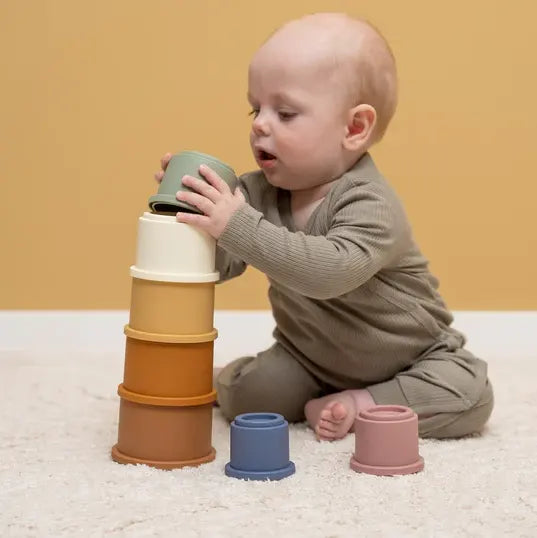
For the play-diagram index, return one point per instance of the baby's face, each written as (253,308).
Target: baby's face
(299,119)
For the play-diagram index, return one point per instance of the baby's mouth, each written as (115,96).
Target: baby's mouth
(265,156)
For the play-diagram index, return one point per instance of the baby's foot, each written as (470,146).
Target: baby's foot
(331,417)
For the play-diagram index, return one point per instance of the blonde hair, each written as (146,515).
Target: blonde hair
(377,85)
(370,73)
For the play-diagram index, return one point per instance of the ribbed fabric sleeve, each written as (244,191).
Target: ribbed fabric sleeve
(362,238)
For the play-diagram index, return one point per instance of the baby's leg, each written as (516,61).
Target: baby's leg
(273,381)
(447,388)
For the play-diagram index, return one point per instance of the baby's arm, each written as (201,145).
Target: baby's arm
(365,232)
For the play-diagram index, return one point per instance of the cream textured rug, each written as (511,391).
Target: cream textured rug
(58,420)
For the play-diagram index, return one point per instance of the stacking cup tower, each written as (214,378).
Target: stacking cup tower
(167,395)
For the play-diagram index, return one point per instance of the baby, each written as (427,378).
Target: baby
(359,320)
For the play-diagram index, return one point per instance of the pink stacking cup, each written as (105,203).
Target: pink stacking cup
(386,441)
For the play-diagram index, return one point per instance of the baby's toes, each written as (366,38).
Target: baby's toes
(324,434)
(326,427)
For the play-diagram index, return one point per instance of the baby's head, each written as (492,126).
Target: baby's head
(323,89)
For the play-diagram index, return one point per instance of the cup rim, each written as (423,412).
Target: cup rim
(170,338)
(386,470)
(166,401)
(387,413)
(120,457)
(170,200)
(259,420)
(276,474)
(194,278)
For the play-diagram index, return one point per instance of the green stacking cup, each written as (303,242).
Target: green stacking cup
(165,201)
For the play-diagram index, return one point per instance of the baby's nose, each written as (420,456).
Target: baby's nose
(260,125)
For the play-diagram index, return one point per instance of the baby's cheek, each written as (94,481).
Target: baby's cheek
(303,146)
(313,148)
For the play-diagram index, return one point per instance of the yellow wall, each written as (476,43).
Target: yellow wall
(93,93)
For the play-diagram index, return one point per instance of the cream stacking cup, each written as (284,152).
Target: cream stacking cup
(165,417)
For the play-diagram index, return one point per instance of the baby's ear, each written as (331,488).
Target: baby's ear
(361,121)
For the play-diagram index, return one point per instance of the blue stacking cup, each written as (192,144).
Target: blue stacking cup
(260,447)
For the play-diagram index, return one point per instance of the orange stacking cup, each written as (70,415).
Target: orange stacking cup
(166,433)
(168,365)
(172,307)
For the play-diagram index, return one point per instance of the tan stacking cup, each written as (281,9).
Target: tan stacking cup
(166,433)
(172,307)
(178,367)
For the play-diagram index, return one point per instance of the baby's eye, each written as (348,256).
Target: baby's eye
(286,116)
(254,112)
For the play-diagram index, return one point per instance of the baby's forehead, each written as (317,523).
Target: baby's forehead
(297,76)
(313,43)
(302,61)
(315,69)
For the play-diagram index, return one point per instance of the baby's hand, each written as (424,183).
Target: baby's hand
(214,198)
(163,164)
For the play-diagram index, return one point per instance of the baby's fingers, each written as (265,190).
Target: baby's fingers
(165,160)
(163,164)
